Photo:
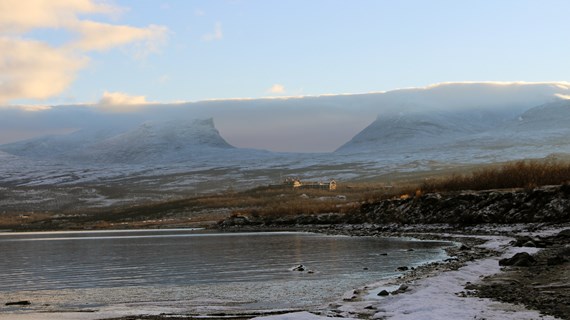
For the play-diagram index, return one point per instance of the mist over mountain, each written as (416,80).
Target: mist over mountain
(161,151)
(545,128)
(548,117)
(60,145)
(410,131)
(296,124)
(178,147)
(167,141)
(466,136)
(170,141)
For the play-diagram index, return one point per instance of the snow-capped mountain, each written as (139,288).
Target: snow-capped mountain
(58,146)
(417,130)
(549,117)
(170,141)
(164,151)
(174,140)
(292,124)
(466,136)
(545,127)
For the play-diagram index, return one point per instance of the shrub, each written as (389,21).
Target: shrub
(520,174)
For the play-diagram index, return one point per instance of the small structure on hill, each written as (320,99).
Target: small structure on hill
(296,183)
(292,182)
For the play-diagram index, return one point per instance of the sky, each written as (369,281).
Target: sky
(119,55)
(61,52)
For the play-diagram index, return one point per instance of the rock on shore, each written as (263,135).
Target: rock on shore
(543,204)
(539,281)
(548,204)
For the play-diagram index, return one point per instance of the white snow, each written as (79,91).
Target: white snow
(296,316)
(417,130)
(437,297)
(463,135)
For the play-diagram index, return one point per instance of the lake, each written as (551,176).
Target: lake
(193,271)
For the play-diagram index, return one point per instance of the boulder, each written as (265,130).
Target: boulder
(557,260)
(524,241)
(529,244)
(19,303)
(521,259)
(383,293)
(564,234)
(299,268)
(403,288)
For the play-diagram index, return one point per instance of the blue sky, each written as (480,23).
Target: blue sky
(196,50)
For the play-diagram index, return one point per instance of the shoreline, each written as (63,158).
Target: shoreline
(438,290)
(443,290)
(474,261)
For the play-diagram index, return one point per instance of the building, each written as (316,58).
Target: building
(296,183)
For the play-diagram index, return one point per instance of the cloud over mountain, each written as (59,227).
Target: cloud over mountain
(121,102)
(305,124)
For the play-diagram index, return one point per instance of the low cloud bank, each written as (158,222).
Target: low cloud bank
(303,124)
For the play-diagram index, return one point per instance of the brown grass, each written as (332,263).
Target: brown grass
(261,201)
(274,203)
(520,174)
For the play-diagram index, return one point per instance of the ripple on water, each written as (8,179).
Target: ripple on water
(181,267)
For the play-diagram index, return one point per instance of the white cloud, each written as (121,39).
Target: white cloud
(18,16)
(34,70)
(277,89)
(103,36)
(121,102)
(30,69)
(217,34)
(563,96)
(32,108)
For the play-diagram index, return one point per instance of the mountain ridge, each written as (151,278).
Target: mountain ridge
(148,142)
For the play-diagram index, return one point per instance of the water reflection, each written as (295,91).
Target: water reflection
(52,261)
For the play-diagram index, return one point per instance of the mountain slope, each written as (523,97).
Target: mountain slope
(544,126)
(158,141)
(410,131)
(467,136)
(292,124)
(174,140)
(55,146)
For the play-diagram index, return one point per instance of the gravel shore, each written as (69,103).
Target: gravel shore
(471,277)
(542,283)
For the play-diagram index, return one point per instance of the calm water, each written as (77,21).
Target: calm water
(172,264)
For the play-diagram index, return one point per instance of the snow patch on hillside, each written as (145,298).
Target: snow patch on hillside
(152,141)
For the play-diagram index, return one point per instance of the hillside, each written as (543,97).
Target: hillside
(408,132)
(467,136)
(164,151)
(170,141)
(152,141)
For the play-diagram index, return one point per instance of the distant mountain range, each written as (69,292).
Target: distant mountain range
(173,150)
(296,124)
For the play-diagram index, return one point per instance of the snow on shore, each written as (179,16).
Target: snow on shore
(439,297)
(295,316)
